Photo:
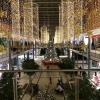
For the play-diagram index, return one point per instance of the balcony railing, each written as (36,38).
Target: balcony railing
(46,84)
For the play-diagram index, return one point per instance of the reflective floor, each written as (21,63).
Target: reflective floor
(48,88)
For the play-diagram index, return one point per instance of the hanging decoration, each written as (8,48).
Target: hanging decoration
(71,17)
(15,19)
(4,26)
(67,19)
(3,13)
(50,56)
(31,20)
(16,25)
(44,35)
(58,38)
(89,33)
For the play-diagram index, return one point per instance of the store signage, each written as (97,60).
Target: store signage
(96,36)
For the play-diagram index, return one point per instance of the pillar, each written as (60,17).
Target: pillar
(28,55)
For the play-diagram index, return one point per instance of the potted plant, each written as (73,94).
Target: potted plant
(29,64)
(7,87)
(97,94)
(67,63)
(86,90)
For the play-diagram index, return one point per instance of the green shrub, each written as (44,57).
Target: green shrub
(29,64)
(67,63)
(7,87)
(86,90)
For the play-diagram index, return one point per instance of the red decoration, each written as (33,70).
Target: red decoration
(96,36)
(48,62)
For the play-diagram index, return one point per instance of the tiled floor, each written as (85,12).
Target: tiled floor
(44,81)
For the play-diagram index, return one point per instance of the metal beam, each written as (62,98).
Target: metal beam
(49,15)
(50,7)
(41,18)
(51,70)
(55,20)
(51,11)
(47,2)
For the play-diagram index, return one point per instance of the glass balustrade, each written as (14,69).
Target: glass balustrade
(50,84)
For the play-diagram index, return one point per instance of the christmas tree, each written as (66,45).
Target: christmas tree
(51,55)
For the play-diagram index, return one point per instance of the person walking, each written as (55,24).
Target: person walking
(50,80)
(19,73)
(47,67)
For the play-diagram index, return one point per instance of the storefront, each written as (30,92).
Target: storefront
(96,79)
(96,41)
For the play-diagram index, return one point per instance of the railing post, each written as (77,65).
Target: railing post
(83,59)
(24,56)
(15,88)
(65,96)
(33,50)
(76,88)
(9,52)
(89,47)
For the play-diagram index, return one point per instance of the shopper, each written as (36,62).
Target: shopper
(50,80)
(59,88)
(19,73)
(47,67)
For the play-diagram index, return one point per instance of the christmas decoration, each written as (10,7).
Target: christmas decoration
(51,56)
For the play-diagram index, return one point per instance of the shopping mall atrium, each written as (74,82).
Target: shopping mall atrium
(49,49)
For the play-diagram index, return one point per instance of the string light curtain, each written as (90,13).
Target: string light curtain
(44,35)
(92,15)
(78,17)
(35,21)
(58,38)
(31,20)
(28,20)
(5,24)
(18,24)
(67,19)
(21,18)
(60,32)
(15,19)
